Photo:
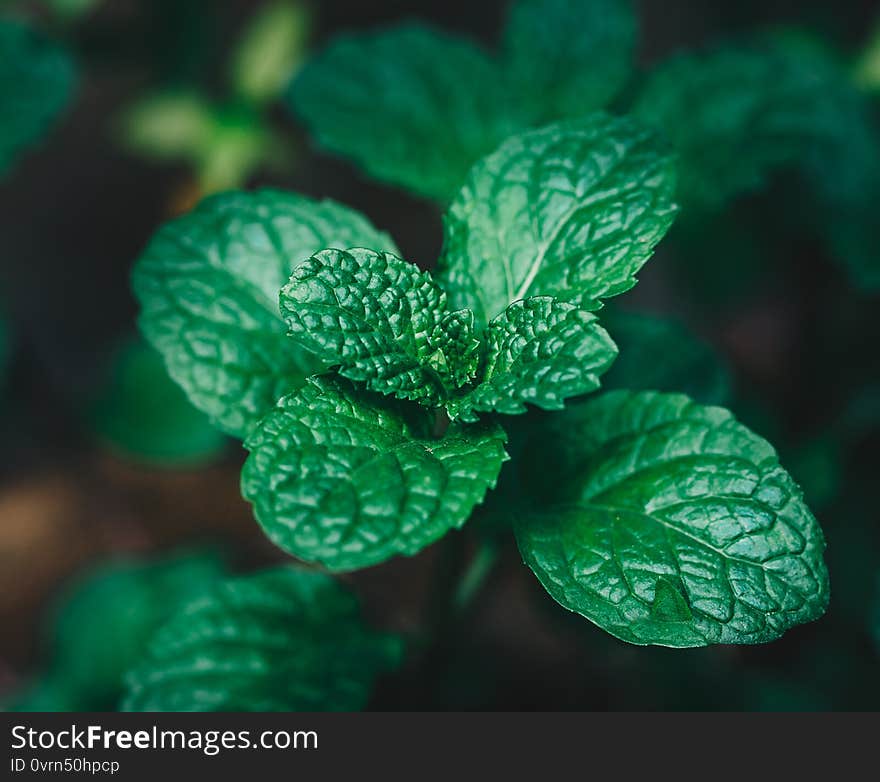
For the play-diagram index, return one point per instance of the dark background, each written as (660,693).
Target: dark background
(75,213)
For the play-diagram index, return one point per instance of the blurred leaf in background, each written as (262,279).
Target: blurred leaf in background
(143,414)
(102,623)
(867,67)
(225,141)
(70,10)
(285,639)
(658,354)
(37,79)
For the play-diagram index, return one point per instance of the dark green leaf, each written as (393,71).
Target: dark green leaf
(411,105)
(343,478)
(382,321)
(539,351)
(572,210)
(144,414)
(568,57)
(102,624)
(208,287)
(676,525)
(661,355)
(282,640)
(36,83)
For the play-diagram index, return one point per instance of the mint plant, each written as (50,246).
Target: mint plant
(735,113)
(378,402)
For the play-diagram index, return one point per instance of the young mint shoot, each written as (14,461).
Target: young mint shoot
(374,398)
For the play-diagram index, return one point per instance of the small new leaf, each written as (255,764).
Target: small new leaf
(572,210)
(382,322)
(411,105)
(676,525)
(539,351)
(344,478)
(208,288)
(282,640)
(568,57)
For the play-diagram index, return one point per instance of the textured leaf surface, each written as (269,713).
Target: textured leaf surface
(101,627)
(568,57)
(539,351)
(36,82)
(571,210)
(411,105)
(343,478)
(677,525)
(661,355)
(382,321)
(282,640)
(208,287)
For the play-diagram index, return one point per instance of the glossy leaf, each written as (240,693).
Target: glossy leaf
(282,640)
(661,355)
(37,79)
(568,57)
(208,287)
(345,478)
(672,524)
(383,322)
(572,210)
(412,106)
(539,351)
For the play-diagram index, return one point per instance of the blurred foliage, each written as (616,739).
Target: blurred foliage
(37,79)
(142,413)
(225,141)
(100,627)
(662,355)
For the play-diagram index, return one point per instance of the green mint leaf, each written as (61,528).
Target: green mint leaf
(412,106)
(344,478)
(539,351)
(142,413)
(208,288)
(572,210)
(102,624)
(569,57)
(285,639)
(676,525)
(37,79)
(383,322)
(169,125)
(661,355)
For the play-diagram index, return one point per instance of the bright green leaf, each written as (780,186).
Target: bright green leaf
(37,79)
(271,49)
(103,622)
(208,287)
(383,322)
(568,57)
(572,210)
(282,640)
(345,478)
(411,105)
(675,525)
(661,355)
(539,351)
(144,414)
(168,126)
